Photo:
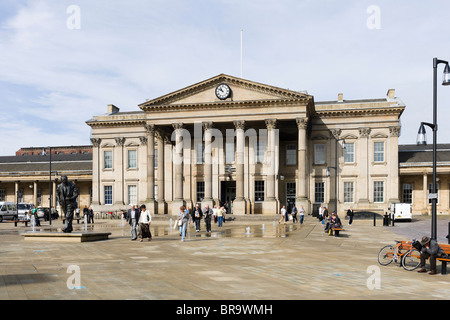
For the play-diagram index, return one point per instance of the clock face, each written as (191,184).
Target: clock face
(223,91)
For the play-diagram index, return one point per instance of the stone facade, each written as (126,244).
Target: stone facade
(261,147)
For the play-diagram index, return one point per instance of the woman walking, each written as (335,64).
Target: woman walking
(183,220)
(145,219)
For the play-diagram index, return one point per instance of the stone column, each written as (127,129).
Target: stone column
(239,206)
(119,192)
(363,181)
(178,168)
(161,203)
(150,142)
(96,168)
(392,159)
(270,203)
(207,167)
(302,166)
(35,186)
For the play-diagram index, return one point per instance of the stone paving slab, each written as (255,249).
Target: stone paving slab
(279,262)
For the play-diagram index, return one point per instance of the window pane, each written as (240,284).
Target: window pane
(378,191)
(407,192)
(132,194)
(108,195)
(319,192)
(378,155)
(291,155)
(132,159)
(348,192)
(259,190)
(107,155)
(349,152)
(200,191)
(319,154)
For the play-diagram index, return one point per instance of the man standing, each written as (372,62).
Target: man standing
(208,215)
(132,219)
(350,215)
(66,195)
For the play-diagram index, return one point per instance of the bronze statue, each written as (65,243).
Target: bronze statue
(66,195)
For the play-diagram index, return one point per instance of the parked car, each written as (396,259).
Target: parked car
(8,211)
(22,210)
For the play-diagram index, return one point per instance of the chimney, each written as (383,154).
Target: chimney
(340,97)
(391,93)
(112,109)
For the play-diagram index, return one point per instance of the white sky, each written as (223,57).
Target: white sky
(54,78)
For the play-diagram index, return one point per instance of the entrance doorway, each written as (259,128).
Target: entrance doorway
(227,194)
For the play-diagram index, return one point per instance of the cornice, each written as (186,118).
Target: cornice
(116,123)
(360,112)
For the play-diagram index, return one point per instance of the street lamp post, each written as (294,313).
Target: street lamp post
(421,140)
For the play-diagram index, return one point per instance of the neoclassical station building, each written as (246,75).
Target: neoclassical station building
(255,146)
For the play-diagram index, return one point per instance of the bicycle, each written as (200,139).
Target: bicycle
(404,252)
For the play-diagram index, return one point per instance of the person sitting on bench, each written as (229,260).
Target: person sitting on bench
(430,249)
(333,222)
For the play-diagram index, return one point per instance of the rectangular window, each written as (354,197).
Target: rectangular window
(132,194)
(107,160)
(260,149)
(200,191)
(2,194)
(349,152)
(132,159)
(291,155)
(155,162)
(259,191)
(378,191)
(319,192)
(108,195)
(407,190)
(319,153)
(348,192)
(378,151)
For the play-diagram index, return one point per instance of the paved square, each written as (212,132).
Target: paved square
(266,262)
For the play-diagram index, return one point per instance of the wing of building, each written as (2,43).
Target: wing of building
(251,146)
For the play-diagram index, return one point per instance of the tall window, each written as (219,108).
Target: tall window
(132,159)
(319,192)
(348,192)
(107,158)
(319,153)
(259,191)
(2,194)
(407,190)
(378,191)
(378,151)
(108,195)
(200,191)
(229,152)
(291,155)
(132,194)
(349,152)
(155,162)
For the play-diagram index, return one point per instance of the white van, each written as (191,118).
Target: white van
(8,211)
(401,211)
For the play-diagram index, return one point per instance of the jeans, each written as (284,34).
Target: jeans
(220,220)
(301,218)
(134,229)
(183,231)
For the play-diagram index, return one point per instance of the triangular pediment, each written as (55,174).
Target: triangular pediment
(242,91)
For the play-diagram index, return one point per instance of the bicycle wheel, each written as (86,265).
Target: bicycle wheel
(386,255)
(411,259)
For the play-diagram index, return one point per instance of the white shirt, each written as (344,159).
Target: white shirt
(283,211)
(145,217)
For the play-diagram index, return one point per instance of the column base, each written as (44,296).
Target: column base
(270,207)
(239,207)
(152,206)
(161,207)
(175,206)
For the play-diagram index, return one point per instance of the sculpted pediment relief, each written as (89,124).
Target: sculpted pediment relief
(241,91)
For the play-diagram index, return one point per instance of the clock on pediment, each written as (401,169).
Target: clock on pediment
(223,91)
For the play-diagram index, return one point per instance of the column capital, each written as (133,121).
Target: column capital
(178,125)
(364,132)
(395,131)
(120,141)
(143,140)
(239,124)
(335,133)
(207,125)
(302,123)
(271,123)
(150,128)
(96,142)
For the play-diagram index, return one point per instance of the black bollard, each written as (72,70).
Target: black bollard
(374,219)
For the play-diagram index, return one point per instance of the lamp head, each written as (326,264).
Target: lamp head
(422,135)
(446,78)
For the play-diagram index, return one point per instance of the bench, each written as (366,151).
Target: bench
(336,231)
(23,221)
(446,248)
(78,220)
